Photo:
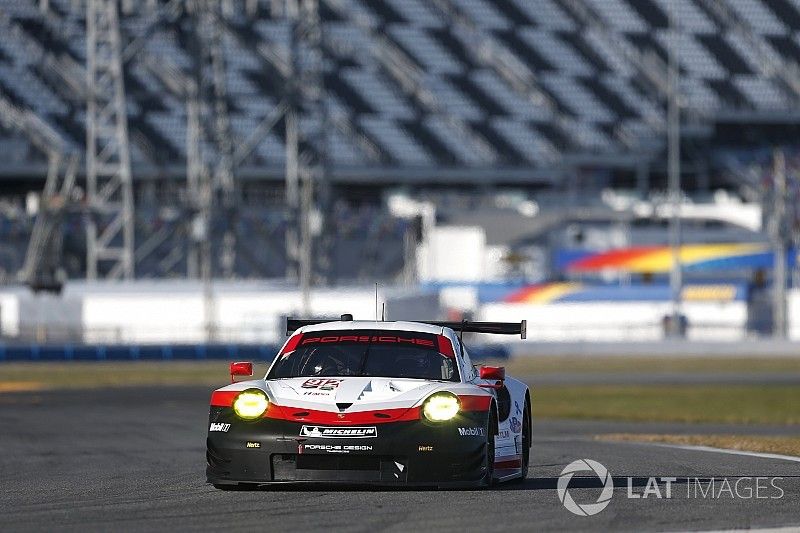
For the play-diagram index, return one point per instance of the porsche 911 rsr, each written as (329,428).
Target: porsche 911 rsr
(363,402)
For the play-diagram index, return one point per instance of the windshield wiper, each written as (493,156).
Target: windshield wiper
(363,364)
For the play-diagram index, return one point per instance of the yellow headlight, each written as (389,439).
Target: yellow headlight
(441,406)
(250,404)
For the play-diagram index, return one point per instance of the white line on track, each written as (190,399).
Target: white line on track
(721,450)
(787,529)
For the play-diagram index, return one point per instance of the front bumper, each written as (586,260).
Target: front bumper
(396,453)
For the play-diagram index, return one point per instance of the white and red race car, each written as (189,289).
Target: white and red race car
(368,402)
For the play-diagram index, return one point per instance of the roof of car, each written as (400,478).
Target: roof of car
(339,325)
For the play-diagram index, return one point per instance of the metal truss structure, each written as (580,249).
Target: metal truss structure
(41,269)
(307,190)
(110,228)
(211,186)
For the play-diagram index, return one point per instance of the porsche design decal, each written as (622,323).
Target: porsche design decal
(336,448)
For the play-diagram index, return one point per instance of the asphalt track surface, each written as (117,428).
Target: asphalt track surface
(133,459)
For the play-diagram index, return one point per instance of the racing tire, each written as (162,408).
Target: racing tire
(526,443)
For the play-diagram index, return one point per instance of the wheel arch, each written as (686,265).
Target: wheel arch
(529,408)
(493,409)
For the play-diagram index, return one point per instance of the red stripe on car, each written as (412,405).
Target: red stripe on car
(224,398)
(445,346)
(291,344)
(378,416)
(468,403)
(475,402)
(508,463)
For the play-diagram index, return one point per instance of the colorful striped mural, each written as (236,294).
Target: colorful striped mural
(543,293)
(658,259)
(559,292)
(565,292)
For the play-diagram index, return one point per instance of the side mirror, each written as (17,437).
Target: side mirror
(241,369)
(493,373)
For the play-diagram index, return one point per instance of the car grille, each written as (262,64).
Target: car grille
(345,462)
(331,467)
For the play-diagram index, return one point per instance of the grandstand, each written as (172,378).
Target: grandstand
(534,94)
(512,85)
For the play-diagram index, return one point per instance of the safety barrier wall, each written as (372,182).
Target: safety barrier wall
(165,352)
(254,313)
(621,321)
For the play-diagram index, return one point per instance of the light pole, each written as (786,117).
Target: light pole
(778,237)
(674,171)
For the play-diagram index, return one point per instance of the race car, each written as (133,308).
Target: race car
(375,403)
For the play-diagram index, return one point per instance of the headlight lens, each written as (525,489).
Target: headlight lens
(441,406)
(250,404)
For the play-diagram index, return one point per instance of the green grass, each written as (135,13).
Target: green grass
(745,404)
(543,364)
(739,404)
(78,375)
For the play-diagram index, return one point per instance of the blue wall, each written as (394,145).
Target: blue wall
(167,352)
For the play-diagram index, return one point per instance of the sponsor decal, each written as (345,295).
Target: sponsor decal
(251,444)
(321,384)
(516,425)
(316,393)
(323,432)
(337,448)
(472,432)
(388,339)
(219,427)
(425,448)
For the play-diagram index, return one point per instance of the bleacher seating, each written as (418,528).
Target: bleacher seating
(589,60)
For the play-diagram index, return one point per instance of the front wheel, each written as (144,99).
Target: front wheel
(526,442)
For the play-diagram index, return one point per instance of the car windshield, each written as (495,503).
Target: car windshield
(393,354)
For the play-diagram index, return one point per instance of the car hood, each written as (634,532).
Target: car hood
(351,393)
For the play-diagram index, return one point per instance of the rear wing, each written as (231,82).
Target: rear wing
(497,328)
(465,326)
